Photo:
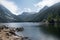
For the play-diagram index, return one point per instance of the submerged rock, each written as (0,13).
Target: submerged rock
(26,38)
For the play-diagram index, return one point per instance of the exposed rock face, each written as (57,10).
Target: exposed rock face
(8,34)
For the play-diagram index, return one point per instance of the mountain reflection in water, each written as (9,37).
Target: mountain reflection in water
(53,29)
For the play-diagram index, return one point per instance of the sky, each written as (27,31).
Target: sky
(19,6)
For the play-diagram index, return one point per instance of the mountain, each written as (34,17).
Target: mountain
(27,16)
(31,16)
(43,14)
(6,15)
(43,9)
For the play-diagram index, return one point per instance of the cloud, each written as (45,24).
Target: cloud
(48,3)
(27,10)
(16,10)
(11,6)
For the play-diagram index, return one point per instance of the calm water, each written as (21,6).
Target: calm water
(32,30)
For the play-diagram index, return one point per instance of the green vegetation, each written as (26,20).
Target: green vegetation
(53,18)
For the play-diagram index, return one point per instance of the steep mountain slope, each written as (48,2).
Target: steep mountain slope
(6,15)
(55,9)
(42,14)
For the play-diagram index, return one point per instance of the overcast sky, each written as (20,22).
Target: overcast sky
(19,6)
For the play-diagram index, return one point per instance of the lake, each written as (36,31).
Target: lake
(35,31)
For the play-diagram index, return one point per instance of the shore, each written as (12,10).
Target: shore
(8,34)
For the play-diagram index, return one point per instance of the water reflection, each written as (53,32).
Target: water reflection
(51,29)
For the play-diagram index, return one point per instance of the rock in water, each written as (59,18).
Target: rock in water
(20,29)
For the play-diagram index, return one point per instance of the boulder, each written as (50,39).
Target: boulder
(20,29)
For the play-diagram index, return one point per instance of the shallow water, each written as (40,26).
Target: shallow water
(31,30)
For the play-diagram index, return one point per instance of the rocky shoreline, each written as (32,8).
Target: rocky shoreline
(7,33)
